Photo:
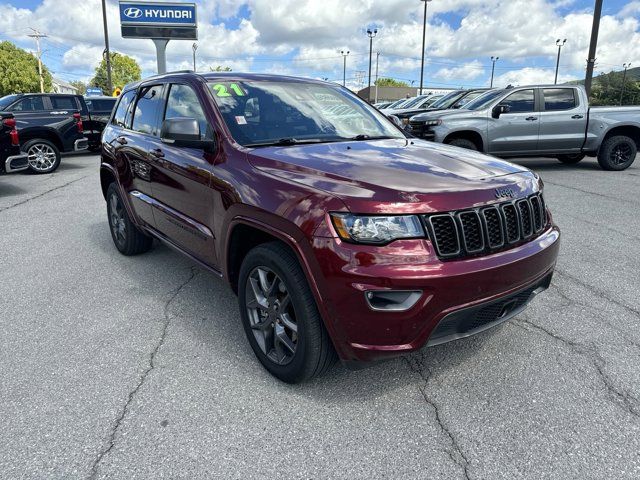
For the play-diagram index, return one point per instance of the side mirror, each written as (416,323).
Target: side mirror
(500,109)
(184,132)
(396,121)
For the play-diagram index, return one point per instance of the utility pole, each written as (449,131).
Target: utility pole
(194,47)
(344,70)
(107,54)
(424,44)
(377,64)
(371,35)
(597,13)
(493,68)
(37,35)
(560,44)
(624,80)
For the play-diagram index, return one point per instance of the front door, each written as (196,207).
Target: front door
(515,132)
(184,210)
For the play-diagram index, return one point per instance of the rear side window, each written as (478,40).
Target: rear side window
(559,99)
(100,105)
(120,117)
(183,102)
(519,102)
(63,103)
(147,109)
(28,104)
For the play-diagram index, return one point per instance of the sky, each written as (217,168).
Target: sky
(305,38)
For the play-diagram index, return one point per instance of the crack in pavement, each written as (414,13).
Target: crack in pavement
(595,194)
(148,369)
(4,209)
(455,453)
(623,398)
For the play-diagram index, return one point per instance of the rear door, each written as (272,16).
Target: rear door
(563,121)
(62,108)
(516,132)
(181,180)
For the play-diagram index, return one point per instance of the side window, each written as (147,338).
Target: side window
(28,104)
(183,102)
(520,102)
(120,117)
(559,99)
(63,103)
(145,113)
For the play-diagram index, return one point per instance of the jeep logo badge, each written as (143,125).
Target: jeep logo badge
(133,12)
(505,193)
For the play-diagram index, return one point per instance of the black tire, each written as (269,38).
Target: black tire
(126,236)
(463,143)
(44,156)
(313,354)
(571,159)
(617,153)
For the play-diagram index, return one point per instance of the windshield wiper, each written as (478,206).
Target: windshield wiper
(285,142)
(364,136)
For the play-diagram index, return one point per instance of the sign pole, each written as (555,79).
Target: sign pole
(161,53)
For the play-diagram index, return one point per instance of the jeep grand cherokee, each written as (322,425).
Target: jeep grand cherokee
(340,235)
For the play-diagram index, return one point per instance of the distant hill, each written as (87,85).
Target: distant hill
(632,74)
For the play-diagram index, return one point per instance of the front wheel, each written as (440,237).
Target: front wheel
(463,143)
(571,159)
(617,153)
(126,236)
(44,156)
(280,316)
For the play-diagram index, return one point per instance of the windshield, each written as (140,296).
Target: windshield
(413,102)
(448,100)
(483,100)
(260,113)
(6,101)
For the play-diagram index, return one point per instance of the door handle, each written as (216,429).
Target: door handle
(577,117)
(121,140)
(157,153)
(531,119)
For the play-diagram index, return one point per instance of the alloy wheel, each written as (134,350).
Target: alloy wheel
(116,219)
(621,154)
(271,315)
(41,157)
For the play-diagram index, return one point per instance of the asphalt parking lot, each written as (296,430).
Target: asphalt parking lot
(114,367)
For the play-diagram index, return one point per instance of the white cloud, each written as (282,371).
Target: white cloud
(468,71)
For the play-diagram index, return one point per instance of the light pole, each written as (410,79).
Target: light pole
(377,65)
(493,68)
(624,80)
(194,47)
(345,54)
(371,35)
(560,44)
(424,44)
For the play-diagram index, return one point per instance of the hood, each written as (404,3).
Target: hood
(381,176)
(452,113)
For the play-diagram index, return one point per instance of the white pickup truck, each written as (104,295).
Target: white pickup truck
(542,121)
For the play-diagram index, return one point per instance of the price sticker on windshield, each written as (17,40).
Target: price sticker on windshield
(228,90)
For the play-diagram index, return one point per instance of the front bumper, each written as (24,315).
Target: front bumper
(453,292)
(16,163)
(81,144)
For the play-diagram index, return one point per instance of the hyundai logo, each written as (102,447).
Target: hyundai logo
(505,193)
(133,12)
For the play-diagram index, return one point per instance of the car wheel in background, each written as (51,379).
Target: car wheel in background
(617,153)
(44,156)
(280,316)
(126,236)
(571,159)
(463,143)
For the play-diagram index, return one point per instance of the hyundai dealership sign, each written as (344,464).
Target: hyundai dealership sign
(160,20)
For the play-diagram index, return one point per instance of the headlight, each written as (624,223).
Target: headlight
(433,123)
(376,229)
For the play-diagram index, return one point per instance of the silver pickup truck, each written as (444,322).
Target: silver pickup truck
(542,121)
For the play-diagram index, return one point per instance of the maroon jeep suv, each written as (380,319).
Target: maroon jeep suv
(340,235)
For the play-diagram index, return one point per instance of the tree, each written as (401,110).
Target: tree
(390,82)
(219,68)
(81,86)
(124,69)
(607,89)
(19,71)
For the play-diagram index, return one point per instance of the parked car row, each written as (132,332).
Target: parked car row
(50,124)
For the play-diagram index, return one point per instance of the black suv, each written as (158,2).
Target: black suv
(49,124)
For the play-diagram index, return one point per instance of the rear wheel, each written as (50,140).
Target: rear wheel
(280,316)
(463,143)
(617,153)
(44,156)
(571,159)
(126,236)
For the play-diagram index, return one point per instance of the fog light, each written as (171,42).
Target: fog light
(392,300)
